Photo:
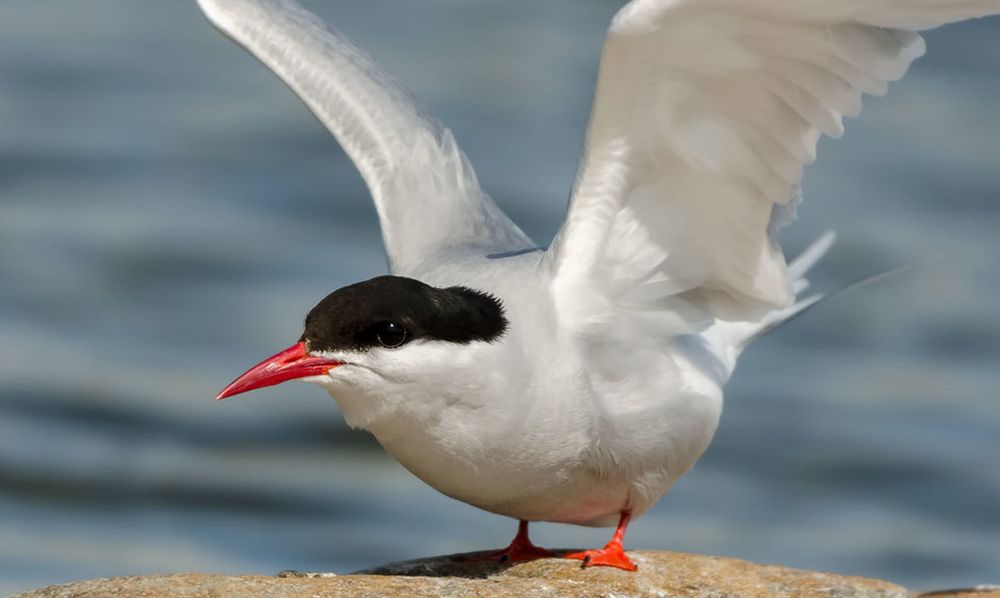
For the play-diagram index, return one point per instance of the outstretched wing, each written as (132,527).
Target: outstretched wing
(425,191)
(705,113)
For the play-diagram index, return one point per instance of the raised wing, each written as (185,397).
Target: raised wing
(705,113)
(425,191)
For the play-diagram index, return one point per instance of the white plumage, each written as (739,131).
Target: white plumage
(607,386)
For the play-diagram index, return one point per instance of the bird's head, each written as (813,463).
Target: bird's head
(377,344)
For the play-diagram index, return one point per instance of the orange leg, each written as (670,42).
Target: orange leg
(520,549)
(613,554)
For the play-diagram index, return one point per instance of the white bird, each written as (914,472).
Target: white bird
(577,383)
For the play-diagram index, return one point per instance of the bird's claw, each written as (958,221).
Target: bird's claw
(609,556)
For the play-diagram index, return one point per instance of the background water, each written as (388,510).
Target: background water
(169,211)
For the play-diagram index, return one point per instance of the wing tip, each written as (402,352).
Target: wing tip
(804,262)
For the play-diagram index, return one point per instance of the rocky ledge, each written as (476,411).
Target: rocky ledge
(660,574)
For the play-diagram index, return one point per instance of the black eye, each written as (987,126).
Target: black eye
(391,334)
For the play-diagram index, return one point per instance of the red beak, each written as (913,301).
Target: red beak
(294,362)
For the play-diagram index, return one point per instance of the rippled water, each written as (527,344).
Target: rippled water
(168,213)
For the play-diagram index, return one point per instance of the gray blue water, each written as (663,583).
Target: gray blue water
(169,212)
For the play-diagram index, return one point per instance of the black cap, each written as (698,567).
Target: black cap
(390,311)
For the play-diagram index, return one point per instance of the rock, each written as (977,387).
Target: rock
(660,574)
(976,592)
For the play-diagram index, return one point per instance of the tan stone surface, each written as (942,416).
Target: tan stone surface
(980,592)
(660,574)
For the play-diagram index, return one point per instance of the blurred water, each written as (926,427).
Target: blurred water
(168,213)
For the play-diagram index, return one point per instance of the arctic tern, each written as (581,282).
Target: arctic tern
(576,383)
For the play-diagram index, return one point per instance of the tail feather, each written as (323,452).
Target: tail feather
(728,339)
(804,262)
(777,319)
(780,318)
(747,332)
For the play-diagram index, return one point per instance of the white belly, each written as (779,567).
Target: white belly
(558,463)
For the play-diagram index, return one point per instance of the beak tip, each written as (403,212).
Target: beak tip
(234,388)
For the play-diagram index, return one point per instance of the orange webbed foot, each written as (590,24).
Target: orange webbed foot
(609,556)
(521,549)
(612,555)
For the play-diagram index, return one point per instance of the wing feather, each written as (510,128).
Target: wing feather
(705,113)
(425,191)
